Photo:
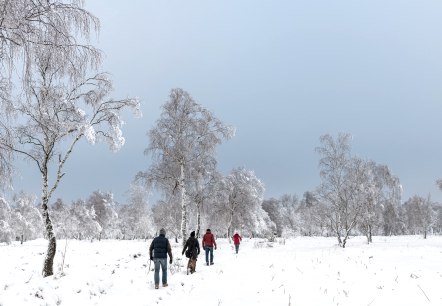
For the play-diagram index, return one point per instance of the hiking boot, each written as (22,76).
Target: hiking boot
(211,263)
(165,285)
(157,286)
(207,263)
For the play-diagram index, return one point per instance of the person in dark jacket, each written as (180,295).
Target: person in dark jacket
(208,244)
(158,250)
(193,250)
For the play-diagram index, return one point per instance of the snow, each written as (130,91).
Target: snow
(405,270)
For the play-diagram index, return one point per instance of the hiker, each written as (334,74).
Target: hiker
(160,247)
(193,250)
(208,244)
(236,241)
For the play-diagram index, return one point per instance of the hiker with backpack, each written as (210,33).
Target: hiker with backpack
(236,241)
(208,244)
(158,250)
(193,250)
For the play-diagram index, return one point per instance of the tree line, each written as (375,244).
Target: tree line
(367,202)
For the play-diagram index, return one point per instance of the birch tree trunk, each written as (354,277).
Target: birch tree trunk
(230,222)
(199,203)
(52,246)
(183,205)
(370,238)
(198,219)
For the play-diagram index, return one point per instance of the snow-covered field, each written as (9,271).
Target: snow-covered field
(300,271)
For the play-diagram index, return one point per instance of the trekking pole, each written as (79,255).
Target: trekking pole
(148,270)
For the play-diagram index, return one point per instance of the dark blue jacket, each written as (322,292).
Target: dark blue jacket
(160,247)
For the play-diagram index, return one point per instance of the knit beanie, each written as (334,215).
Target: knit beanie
(192,234)
(163,232)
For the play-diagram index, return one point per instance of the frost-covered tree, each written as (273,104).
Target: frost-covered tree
(51,121)
(62,219)
(27,27)
(274,210)
(167,215)
(57,104)
(85,224)
(420,215)
(290,213)
(6,231)
(102,203)
(203,178)
(438,218)
(342,184)
(392,223)
(284,213)
(312,215)
(28,219)
(381,188)
(334,162)
(182,140)
(136,217)
(239,204)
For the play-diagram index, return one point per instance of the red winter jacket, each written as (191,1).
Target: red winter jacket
(236,238)
(208,240)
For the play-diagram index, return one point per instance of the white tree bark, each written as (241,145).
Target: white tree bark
(183,205)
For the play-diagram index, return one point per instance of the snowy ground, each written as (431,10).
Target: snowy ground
(301,271)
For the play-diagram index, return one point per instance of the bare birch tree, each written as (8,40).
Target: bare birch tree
(182,140)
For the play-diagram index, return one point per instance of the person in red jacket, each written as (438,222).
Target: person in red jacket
(208,244)
(236,241)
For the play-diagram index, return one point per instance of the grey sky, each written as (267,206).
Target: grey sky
(283,73)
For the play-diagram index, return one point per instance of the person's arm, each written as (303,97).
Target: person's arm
(185,247)
(214,243)
(151,250)
(198,246)
(169,251)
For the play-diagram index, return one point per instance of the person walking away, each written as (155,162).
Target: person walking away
(193,250)
(208,244)
(158,250)
(236,241)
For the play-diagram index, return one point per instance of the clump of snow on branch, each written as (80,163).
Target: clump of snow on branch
(90,134)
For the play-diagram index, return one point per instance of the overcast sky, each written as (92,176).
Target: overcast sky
(283,73)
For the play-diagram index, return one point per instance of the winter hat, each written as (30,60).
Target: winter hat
(192,234)
(208,229)
(163,232)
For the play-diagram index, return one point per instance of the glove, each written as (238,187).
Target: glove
(215,248)
(182,253)
(151,258)
(198,252)
(170,261)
